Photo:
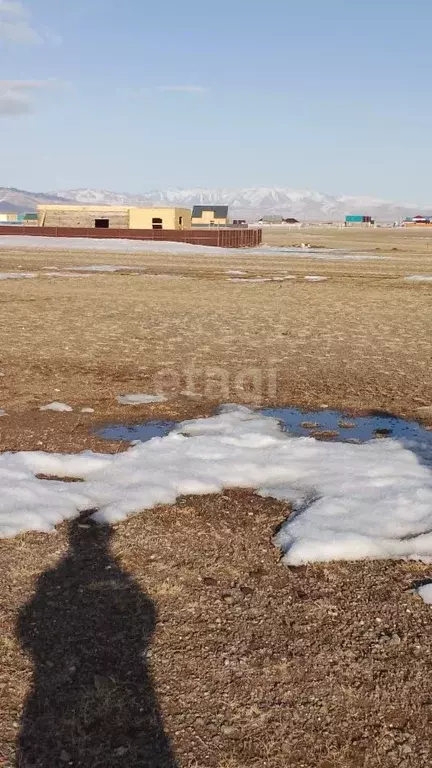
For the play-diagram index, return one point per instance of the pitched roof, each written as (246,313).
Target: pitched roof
(220,211)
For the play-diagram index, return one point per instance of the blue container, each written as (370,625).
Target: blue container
(357,219)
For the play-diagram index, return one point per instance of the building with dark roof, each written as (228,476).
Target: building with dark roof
(210,216)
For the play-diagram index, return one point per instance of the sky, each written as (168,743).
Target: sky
(326,95)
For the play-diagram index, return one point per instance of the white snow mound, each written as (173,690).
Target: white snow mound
(350,501)
(56,406)
(425,592)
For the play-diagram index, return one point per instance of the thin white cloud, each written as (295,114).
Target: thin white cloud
(17,97)
(182,88)
(16,25)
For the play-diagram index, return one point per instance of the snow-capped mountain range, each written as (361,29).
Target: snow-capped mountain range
(253,202)
(249,202)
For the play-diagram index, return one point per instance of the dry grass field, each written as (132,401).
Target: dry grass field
(411,241)
(238,662)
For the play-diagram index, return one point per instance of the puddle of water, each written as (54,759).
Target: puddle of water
(131,432)
(334,425)
(361,428)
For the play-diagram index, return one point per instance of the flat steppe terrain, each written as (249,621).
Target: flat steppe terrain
(252,663)
(361,339)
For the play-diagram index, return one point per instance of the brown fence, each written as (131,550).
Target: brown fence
(224,238)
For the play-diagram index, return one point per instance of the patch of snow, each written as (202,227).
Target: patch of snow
(322,254)
(250,279)
(56,406)
(261,279)
(87,410)
(106,268)
(64,274)
(425,592)
(139,399)
(107,245)
(2,412)
(419,278)
(160,246)
(350,502)
(315,278)
(17,275)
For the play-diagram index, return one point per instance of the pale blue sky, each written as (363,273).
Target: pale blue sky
(329,95)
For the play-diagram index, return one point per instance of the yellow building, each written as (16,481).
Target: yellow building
(7,217)
(113,217)
(210,216)
(159,218)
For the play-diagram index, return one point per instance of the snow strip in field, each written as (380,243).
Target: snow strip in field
(419,278)
(321,254)
(350,501)
(65,274)
(105,244)
(17,275)
(261,279)
(140,399)
(106,268)
(251,279)
(315,278)
(160,246)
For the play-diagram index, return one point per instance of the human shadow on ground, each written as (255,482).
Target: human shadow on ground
(88,630)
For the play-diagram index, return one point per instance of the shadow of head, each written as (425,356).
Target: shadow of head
(88,629)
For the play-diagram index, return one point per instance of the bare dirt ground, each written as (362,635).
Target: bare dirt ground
(237,661)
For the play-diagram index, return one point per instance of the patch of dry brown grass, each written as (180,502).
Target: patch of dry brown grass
(253,664)
(360,340)
(399,242)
